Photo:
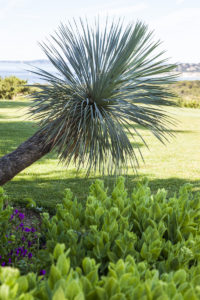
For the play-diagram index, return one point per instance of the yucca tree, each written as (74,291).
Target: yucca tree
(109,80)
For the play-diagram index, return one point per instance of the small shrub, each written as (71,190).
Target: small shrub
(12,86)
(189,102)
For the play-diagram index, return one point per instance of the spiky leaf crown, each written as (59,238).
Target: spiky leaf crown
(108,81)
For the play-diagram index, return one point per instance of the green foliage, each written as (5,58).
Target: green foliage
(145,246)
(188,93)
(12,86)
(19,243)
(107,80)
(125,279)
(152,228)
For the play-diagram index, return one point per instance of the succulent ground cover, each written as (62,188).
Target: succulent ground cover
(112,246)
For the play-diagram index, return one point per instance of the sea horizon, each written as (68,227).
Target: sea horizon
(22,69)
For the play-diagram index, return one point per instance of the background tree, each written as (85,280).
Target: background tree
(108,80)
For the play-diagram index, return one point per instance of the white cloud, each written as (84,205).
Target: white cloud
(179,31)
(5,8)
(113,8)
(185,16)
(9,7)
(124,9)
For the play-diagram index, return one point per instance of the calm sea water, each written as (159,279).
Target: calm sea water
(20,69)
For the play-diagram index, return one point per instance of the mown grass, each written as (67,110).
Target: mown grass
(167,166)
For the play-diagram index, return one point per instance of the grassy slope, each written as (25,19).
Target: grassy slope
(188,93)
(166,166)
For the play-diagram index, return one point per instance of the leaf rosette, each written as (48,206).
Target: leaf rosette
(107,82)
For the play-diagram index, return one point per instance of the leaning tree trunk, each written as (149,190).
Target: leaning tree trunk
(26,154)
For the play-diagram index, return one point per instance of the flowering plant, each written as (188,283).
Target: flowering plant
(19,239)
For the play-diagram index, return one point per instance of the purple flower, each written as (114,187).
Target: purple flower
(22,226)
(42,272)
(3,264)
(9,260)
(30,255)
(23,238)
(25,252)
(0,256)
(21,216)
(29,244)
(33,229)
(27,229)
(11,217)
(20,250)
(17,252)
(16,212)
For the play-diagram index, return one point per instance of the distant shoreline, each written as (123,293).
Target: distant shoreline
(190,74)
(19,69)
(187,75)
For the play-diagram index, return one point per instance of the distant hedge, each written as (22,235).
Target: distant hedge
(188,93)
(10,87)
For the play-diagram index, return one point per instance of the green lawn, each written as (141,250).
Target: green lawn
(167,166)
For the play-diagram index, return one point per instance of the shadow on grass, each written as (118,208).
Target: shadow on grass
(139,127)
(179,131)
(48,192)
(173,184)
(14,104)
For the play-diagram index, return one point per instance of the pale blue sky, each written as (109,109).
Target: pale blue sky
(23,23)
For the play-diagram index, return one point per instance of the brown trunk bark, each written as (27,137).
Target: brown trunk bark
(26,154)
